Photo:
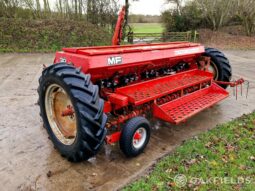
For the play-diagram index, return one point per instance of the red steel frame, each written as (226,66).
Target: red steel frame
(94,60)
(147,91)
(185,95)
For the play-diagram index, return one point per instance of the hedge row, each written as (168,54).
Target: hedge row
(19,35)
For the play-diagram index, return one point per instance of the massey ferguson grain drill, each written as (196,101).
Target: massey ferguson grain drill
(92,95)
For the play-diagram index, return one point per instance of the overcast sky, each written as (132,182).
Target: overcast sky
(147,7)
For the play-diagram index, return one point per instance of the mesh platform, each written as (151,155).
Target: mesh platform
(183,108)
(150,90)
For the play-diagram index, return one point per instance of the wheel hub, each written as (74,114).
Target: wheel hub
(60,114)
(139,138)
(213,69)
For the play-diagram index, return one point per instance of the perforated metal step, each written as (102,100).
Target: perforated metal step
(185,107)
(150,90)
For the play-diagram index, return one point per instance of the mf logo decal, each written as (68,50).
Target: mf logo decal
(115,60)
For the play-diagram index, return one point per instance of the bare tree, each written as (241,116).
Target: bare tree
(9,7)
(59,7)
(217,12)
(38,5)
(99,12)
(80,7)
(246,12)
(47,9)
(76,8)
(178,3)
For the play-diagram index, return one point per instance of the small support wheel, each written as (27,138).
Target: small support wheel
(135,136)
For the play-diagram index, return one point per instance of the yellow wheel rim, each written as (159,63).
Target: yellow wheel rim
(64,126)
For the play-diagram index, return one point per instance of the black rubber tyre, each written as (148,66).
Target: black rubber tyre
(90,119)
(222,63)
(127,135)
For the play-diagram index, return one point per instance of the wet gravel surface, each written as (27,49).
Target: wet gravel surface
(28,160)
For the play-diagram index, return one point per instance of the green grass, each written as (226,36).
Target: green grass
(147,27)
(228,151)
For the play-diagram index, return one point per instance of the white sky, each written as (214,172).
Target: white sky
(147,7)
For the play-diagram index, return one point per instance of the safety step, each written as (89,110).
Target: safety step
(153,89)
(181,109)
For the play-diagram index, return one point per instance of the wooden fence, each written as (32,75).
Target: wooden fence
(191,36)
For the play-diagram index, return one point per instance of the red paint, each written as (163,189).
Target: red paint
(68,112)
(113,138)
(94,60)
(181,109)
(116,39)
(137,136)
(232,84)
(118,100)
(107,107)
(143,92)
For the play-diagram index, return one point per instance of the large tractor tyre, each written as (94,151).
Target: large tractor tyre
(135,136)
(72,112)
(219,66)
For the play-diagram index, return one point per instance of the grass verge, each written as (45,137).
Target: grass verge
(221,159)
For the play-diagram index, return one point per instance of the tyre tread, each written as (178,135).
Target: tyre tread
(90,109)
(222,63)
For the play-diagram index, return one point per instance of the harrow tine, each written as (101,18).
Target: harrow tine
(241,89)
(234,92)
(234,84)
(248,86)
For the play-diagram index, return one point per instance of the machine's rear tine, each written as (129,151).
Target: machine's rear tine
(241,89)
(236,92)
(248,86)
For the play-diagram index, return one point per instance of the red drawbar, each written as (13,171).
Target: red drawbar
(185,107)
(113,138)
